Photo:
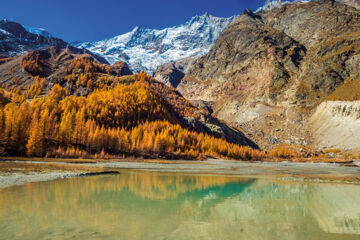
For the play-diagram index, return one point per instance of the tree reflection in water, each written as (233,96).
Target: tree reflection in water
(144,205)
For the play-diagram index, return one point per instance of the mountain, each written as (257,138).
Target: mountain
(269,71)
(146,49)
(20,72)
(33,64)
(171,73)
(37,31)
(271,4)
(16,39)
(353,3)
(62,99)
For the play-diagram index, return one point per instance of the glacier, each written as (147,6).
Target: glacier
(37,31)
(145,49)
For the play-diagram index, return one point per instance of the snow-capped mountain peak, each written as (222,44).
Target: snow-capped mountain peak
(37,31)
(271,4)
(146,49)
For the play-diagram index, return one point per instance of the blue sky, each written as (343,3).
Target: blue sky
(89,20)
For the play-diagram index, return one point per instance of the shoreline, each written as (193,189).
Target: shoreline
(20,172)
(18,179)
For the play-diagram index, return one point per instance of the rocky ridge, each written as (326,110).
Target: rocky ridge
(269,70)
(15,39)
(53,63)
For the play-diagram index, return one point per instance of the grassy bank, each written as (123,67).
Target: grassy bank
(45,167)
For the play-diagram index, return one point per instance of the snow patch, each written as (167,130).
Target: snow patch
(272,4)
(5,32)
(37,31)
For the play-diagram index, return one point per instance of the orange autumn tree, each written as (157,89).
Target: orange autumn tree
(36,89)
(58,93)
(32,64)
(35,144)
(128,119)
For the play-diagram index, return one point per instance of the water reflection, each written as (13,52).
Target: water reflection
(142,205)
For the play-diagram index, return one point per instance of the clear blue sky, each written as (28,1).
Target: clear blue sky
(89,20)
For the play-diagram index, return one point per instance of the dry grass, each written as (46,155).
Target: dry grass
(342,50)
(64,160)
(4,60)
(285,151)
(83,161)
(335,151)
(314,159)
(12,167)
(348,91)
(339,41)
(324,159)
(301,154)
(280,153)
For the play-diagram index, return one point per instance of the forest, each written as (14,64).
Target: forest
(91,110)
(119,120)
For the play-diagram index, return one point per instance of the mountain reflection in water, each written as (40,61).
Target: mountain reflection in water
(144,205)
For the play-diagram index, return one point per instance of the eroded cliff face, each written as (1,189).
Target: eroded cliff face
(269,70)
(336,124)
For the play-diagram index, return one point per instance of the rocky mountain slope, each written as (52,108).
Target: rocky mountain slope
(172,73)
(146,49)
(33,62)
(19,72)
(272,4)
(269,70)
(283,74)
(37,72)
(353,3)
(15,39)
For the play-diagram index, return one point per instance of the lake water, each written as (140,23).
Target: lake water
(144,205)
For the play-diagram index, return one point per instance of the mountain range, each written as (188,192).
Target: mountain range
(17,39)
(284,74)
(33,67)
(146,49)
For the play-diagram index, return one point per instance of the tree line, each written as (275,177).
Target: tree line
(128,119)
